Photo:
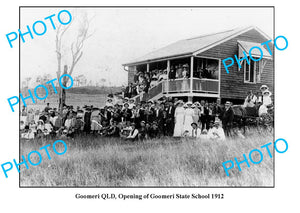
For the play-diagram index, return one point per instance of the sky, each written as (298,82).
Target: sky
(120,35)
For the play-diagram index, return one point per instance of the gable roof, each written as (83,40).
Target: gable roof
(193,45)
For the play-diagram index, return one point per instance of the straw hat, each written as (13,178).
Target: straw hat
(264,86)
(267,91)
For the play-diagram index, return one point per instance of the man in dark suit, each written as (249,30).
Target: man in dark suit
(204,115)
(227,118)
(170,122)
(87,120)
(126,113)
(159,116)
(148,114)
(172,73)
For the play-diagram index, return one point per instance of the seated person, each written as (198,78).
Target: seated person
(250,100)
(196,131)
(48,131)
(125,129)
(147,130)
(133,134)
(266,102)
(217,132)
(104,128)
(154,130)
(113,130)
(79,124)
(204,135)
(22,126)
(40,134)
(142,131)
(28,135)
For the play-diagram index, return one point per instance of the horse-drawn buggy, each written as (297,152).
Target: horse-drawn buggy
(251,116)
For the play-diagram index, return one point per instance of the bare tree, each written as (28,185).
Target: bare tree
(76,51)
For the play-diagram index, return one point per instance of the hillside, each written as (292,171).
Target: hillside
(94,90)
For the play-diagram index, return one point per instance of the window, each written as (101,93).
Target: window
(251,71)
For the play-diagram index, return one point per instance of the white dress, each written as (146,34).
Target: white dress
(188,119)
(179,118)
(263,108)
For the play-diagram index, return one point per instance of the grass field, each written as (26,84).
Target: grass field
(96,161)
(73,99)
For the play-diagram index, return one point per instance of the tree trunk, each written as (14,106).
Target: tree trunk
(62,91)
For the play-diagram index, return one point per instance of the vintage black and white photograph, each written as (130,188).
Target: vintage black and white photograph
(147,96)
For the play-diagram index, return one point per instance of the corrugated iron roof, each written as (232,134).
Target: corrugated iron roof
(189,46)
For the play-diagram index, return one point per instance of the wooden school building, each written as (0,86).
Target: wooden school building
(208,78)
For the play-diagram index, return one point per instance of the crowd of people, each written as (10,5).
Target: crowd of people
(262,99)
(143,81)
(129,120)
(137,121)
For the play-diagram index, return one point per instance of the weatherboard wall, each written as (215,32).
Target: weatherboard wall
(232,84)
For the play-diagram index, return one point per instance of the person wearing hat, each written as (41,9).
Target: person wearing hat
(131,103)
(266,101)
(153,82)
(227,118)
(154,131)
(87,120)
(129,90)
(48,131)
(185,71)
(179,119)
(170,109)
(79,123)
(69,124)
(126,113)
(141,78)
(264,88)
(125,100)
(40,125)
(95,120)
(196,131)
(188,117)
(133,134)
(142,131)
(197,112)
(113,130)
(204,115)
(148,112)
(185,80)
(47,107)
(250,99)
(216,132)
(172,73)
(158,115)
(109,102)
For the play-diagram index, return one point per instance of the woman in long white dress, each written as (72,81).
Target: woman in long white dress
(188,117)
(266,101)
(179,119)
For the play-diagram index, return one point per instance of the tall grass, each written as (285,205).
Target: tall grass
(97,161)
